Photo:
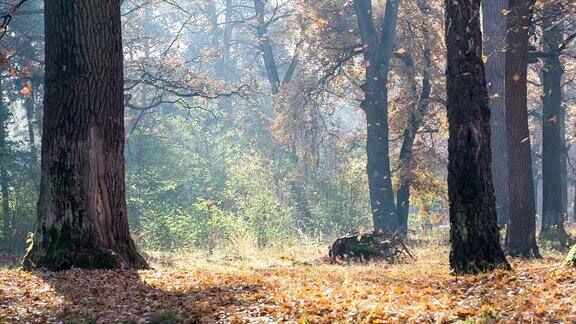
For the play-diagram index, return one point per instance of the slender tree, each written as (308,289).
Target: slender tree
(521,231)
(82,219)
(494,32)
(377,54)
(409,136)
(4,156)
(474,232)
(297,190)
(553,143)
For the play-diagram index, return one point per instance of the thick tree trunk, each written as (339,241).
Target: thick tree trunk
(82,219)
(521,231)
(405,158)
(494,25)
(474,232)
(377,53)
(553,143)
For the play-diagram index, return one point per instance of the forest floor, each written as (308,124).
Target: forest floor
(285,286)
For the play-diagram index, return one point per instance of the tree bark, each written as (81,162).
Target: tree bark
(553,143)
(494,31)
(82,219)
(4,157)
(521,231)
(405,158)
(377,54)
(474,235)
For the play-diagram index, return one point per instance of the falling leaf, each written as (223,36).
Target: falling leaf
(26,90)
(553,120)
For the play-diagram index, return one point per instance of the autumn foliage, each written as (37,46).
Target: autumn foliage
(287,288)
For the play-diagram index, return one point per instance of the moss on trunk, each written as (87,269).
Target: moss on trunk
(60,250)
(571,258)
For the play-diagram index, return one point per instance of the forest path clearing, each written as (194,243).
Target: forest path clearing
(286,289)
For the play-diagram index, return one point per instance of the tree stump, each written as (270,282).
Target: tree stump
(369,246)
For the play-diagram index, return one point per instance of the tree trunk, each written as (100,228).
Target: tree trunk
(418,112)
(553,144)
(82,219)
(521,231)
(297,190)
(266,48)
(494,25)
(29,107)
(377,53)
(4,158)
(474,232)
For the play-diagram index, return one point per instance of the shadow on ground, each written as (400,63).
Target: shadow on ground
(110,296)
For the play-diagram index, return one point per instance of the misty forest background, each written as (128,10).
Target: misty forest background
(244,127)
(240,161)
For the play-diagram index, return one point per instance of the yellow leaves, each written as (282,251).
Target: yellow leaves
(399,290)
(541,310)
(321,21)
(484,58)
(465,312)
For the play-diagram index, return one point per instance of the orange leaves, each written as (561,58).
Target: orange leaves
(238,291)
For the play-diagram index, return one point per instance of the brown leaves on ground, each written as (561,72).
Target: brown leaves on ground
(197,290)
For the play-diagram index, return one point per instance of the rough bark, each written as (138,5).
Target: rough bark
(553,143)
(521,231)
(409,136)
(494,32)
(82,219)
(377,53)
(474,235)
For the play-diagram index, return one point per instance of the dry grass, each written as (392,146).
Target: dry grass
(293,285)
